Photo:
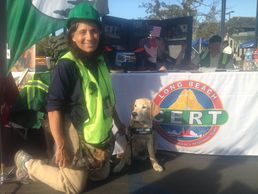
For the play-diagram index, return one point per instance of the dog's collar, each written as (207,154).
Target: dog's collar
(142,131)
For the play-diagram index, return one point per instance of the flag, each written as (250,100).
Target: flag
(101,6)
(155,32)
(27,24)
(28,21)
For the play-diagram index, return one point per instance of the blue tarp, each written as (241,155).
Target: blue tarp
(200,41)
(248,44)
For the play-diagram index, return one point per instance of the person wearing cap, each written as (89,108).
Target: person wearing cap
(213,57)
(81,110)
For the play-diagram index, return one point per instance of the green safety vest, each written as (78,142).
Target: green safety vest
(37,89)
(99,100)
(29,109)
(205,59)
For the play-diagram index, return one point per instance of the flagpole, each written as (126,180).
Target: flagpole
(3,24)
(222,22)
(256,26)
(3,41)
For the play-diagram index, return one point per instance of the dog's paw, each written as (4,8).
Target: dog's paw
(124,162)
(157,167)
(119,166)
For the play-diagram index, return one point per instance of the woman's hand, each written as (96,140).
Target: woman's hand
(121,128)
(56,121)
(163,68)
(62,157)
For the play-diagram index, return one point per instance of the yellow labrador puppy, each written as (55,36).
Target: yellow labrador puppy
(141,142)
(141,131)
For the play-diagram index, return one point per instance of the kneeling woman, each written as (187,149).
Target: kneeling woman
(81,108)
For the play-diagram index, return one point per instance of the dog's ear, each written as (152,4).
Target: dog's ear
(132,105)
(155,109)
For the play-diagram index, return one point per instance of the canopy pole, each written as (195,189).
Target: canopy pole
(222,22)
(256,26)
(3,39)
(3,77)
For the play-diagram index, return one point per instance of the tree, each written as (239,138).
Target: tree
(206,30)
(204,24)
(210,24)
(161,10)
(190,6)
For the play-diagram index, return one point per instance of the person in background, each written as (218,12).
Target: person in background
(156,55)
(181,56)
(150,46)
(156,52)
(164,61)
(213,57)
(248,63)
(81,110)
(226,48)
(180,60)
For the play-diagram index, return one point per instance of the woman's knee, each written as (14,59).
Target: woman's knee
(76,181)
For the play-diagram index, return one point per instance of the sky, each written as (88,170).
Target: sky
(129,9)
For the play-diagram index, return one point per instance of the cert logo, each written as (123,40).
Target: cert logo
(191,113)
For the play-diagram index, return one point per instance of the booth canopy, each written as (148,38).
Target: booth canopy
(248,44)
(200,41)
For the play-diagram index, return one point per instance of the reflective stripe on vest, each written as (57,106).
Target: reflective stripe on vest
(97,94)
(205,59)
(204,54)
(31,86)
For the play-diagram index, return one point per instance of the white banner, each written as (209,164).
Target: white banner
(203,113)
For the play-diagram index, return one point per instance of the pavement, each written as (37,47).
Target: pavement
(184,174)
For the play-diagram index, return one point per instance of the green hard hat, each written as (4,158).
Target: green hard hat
(83,11)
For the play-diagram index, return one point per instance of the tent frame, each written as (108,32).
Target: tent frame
(3,78)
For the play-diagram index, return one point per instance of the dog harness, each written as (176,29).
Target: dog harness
(99,99)
(141,131)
